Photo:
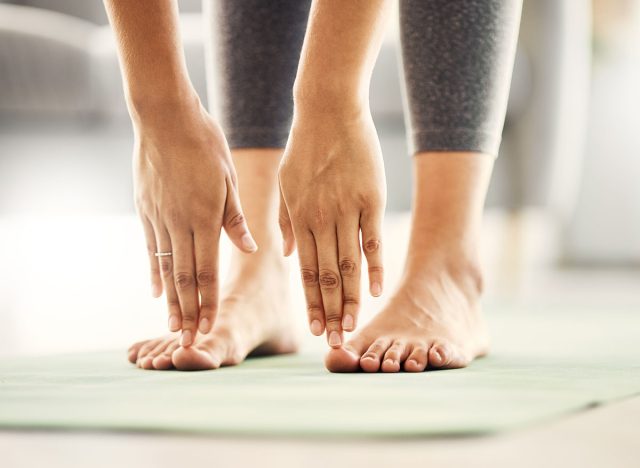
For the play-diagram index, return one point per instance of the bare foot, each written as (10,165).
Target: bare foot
(434,318)
(254,319)
(432,321)
(255,315)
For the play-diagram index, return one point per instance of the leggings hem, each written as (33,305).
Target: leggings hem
(455,139)
(257,137)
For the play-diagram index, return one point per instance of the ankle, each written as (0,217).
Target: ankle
(457,266)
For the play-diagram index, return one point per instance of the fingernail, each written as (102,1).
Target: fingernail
(248,243)
(334,339)
(376,289)
(204,325)
(174,323)
(187,338)
(155,290)
(316,327)
(347,322)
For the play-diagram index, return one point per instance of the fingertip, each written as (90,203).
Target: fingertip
(376,289)
(248,244)
(186,339)
(174,323)
(288,247)
(348,322)
(204,326)
(156,290)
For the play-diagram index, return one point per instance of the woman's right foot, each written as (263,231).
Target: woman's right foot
(254,316)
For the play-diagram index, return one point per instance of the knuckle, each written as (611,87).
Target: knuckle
(350,300)
(309,276)
(184,281)
(318,218)
(372,245)
(206,278)
(328,279)
(314,309)
(333,318)
(173,303)
(235,220)
(347,267)
(376,269)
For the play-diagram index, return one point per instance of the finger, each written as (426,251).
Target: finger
(185,281)
(330,283)
(235,224)
(288,239)
(206,247)
(152,248)
(371,226)
(349,263)
(309,274)
(163,242)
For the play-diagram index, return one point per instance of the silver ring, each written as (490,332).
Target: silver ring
(163,254)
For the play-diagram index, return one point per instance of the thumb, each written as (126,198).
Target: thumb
(288,239)
(235,224)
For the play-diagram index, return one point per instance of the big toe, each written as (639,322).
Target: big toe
(193,359)
(342,360)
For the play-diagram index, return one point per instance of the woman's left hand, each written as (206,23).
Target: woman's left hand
(333,187)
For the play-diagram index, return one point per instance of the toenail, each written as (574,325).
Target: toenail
(204,325)
(347,322)
(187,338)
(334,339)
(316,327)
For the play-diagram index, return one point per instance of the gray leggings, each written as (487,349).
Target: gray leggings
(457,58)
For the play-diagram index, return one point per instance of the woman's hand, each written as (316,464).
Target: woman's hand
(333,187)
(185,191)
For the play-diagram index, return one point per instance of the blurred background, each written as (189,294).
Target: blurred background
(563,216)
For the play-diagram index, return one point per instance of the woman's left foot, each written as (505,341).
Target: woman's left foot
(433,321)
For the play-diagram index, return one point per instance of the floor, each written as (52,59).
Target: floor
(61,293)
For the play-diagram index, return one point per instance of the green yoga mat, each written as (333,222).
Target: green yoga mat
(543,367)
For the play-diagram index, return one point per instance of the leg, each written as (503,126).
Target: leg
(457,59)
(256,47)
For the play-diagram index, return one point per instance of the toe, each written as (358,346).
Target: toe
(439,355)
(370,361)
(134,349)
(147,361)
(146,348)
(163,361)
(197,358)
(417,360)
(347,358)
(342,360)
(394,356)
(446,356)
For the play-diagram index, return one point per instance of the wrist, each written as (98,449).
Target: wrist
(159,107)
(337,98)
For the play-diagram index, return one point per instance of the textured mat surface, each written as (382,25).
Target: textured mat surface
(545,364)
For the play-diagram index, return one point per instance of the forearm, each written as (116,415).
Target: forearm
(151,55)
(340,49)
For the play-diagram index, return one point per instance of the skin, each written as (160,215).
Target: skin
(332,175)
(184,180)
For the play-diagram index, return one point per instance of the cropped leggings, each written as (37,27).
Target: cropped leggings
(457,58)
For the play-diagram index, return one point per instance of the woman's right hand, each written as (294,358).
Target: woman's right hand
(185,192)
